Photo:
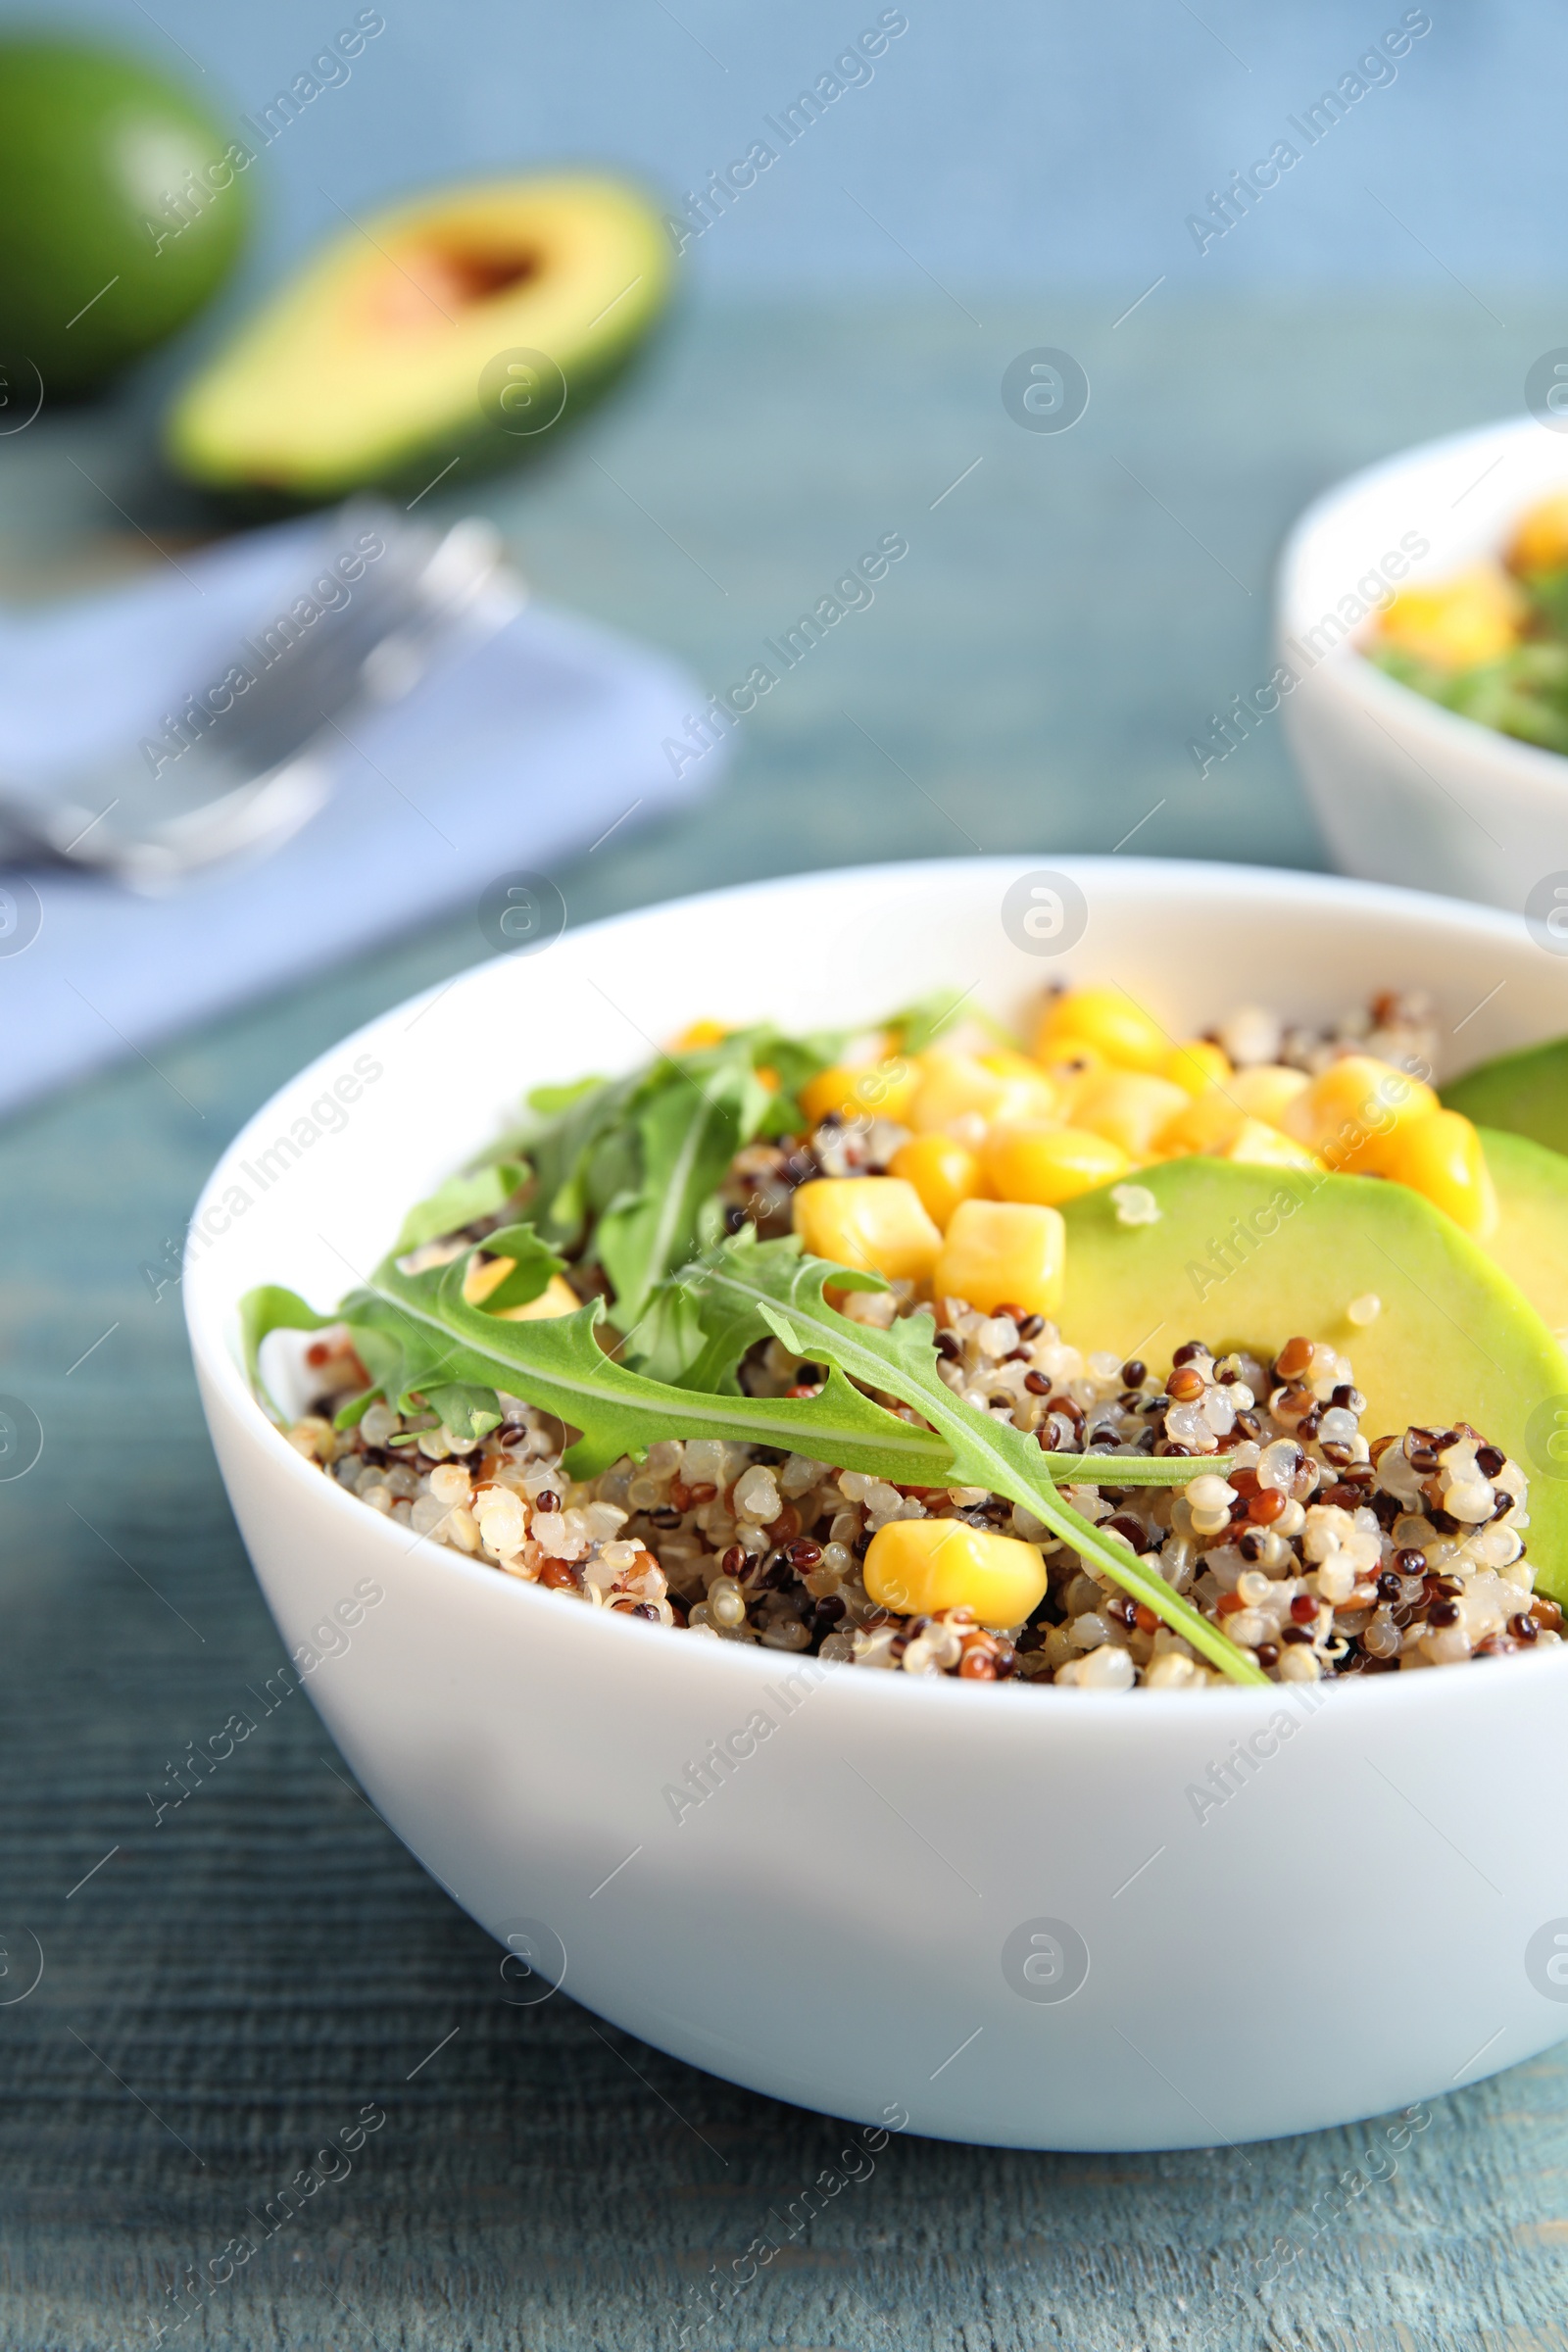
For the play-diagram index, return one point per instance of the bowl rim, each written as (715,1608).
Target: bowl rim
(221,1371)
(1347,668)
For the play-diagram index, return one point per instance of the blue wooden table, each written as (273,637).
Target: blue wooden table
(223,1990)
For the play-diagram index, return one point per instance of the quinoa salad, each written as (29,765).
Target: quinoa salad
(873,1254)
(1490,642)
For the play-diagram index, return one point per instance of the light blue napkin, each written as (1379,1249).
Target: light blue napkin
(514,753)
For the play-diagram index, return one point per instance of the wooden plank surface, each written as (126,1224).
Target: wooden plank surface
(232,1985)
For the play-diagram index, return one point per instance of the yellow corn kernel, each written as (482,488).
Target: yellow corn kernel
(959,1086)
(875,1222)
(1206,1124)
(1264,1090)
(1006,1062)
(1441,1158)
(1003,1251)
(1540,537)
(484,1276)
(1197,1065)
(1353,1113)
(1050,1164)
(557,1297)
(698,1034)
(881,1090)
(1256,1146)
(1071,1062)
(1131,1106)
(941,1170)
(1069,1067)
(1107,1017)
(1475,616)
(914,1566)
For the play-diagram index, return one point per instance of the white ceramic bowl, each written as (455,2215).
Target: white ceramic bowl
(1407,792)
(847,1919)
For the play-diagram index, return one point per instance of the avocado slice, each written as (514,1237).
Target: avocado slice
(1246,1256)
(475,324)
(1531,1243)
(1525,1094)
(123,212)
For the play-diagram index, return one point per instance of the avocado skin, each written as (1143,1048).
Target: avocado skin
(482,446)
(1531,1243)
(485,449)
(1524,1093)
(89,140)
(1456,1339)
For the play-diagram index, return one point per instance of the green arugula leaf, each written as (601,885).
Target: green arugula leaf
(921,1024)
(901,1361)
(668,1340)
(548,1102)
(466,1408)
(560,1150)
(350,1415)
(416,1332)
(606,1148)
(268,1310)
(481,1193)
(687,1134)
(717,1323)
(412,1360)
(535,1262)
(719,1326)
(423,1343)
(793,1060)
(639,1158)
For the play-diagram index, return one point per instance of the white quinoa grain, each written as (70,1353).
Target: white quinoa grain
(726,1603)
(1135,1204)
(1251,1034)
(1336,1579)
(1471,1500)
(1174,1672)
(1105,1669)
(757,1497)
(1448,1645)
(705,1536)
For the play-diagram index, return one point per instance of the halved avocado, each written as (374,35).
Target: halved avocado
(417,338)
(1524,1093)
(1245,1256)
(1531,1242)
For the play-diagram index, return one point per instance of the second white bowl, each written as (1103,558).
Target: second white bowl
(1406,790)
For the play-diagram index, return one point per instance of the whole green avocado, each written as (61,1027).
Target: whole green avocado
(123,214)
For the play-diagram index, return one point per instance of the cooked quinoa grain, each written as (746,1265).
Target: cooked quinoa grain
(1320,1549)
(1321,1553)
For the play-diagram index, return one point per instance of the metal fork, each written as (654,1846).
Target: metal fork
(248,762)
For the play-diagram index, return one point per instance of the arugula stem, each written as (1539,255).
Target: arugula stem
(418,1333)
(1133,1469)
(1123,1569)
(1004,1456)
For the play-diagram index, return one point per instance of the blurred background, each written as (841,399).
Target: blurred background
(1071,614)
(1015,147)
